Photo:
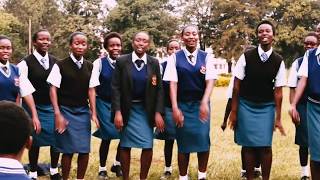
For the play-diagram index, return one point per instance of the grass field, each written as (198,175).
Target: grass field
(224,162)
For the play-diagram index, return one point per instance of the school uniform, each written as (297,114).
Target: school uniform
(11,169)
(73,79)
(191,76)
(301,137)
(169,132)
(104,68)
(310,68)
(12,83)
(256,111)
(137,92)
(37,68)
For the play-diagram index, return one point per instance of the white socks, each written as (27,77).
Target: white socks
(53,171)
(33,174)
(168,169)
(102,168)
(202,175)
(304,171)
(116,163)
(183,177)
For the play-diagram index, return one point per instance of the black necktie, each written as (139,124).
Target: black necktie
(139,63)
(5,69)
(190,58)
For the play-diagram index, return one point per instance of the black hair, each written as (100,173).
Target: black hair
(15,128)
(109,36)
(172,40)
(266,22)
(35,35)
(314,34)
(190,25)
(135,34)
(4,37)
(74,34)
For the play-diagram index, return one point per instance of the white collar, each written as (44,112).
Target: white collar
(75,60)
(39,56)
(260,51)
(187,53)
(318,50)
(5,65)
(135,57)
(111,60)
(8,165)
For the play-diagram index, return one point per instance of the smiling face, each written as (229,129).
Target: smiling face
(265,34)
(5,50)
(79,45)
(310,42)
(114,47)
(42,42)
(140,44)
(190,37)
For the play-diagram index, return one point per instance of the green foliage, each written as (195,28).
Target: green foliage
(10,26)
(131,16)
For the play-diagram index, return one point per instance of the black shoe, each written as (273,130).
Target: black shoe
(116,169)
(56,176)
(257,173)
(305,178)
(103,175)
(165,175)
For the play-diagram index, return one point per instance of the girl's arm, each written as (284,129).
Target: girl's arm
(92,101)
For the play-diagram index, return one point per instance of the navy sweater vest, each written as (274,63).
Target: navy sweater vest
(9,87)
(191,79)
(74,86)
(258,83)
(38,78)
(104,89)
(313,76)
(139,79)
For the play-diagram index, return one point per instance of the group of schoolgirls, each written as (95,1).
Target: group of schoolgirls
(126,101)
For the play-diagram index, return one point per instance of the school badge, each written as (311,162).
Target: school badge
(16,81)
(154,80)
(203,69)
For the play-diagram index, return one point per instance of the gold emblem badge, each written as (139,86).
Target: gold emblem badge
(203,69)
(154,80)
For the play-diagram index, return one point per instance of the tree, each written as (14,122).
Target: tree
(131,16)
(10,26)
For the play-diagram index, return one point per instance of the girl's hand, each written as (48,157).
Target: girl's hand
(204,112)
(95,120)
(278,125)
(159,122)
(232,120)
(61,123)
(36,125)
(118,121)
(178,117)
(294,115)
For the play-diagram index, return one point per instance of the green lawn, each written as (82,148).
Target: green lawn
(224,162)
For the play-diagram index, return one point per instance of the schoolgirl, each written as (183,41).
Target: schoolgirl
(37,67)
(71,86)
(301,137)
(104,67)
(191,75)
(137,101)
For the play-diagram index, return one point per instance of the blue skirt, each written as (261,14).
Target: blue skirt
(76,138)
(301,137)
(313,117)
(194,135)
(137,133)
(169,132)
(255,124)
(107,130)
(46,118)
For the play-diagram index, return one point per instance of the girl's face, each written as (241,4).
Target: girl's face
(79,45)
(173,46)
(5,50)
(190,37)
(310,42)
(114,47)
(42,42)
(141,43)
(265,34)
